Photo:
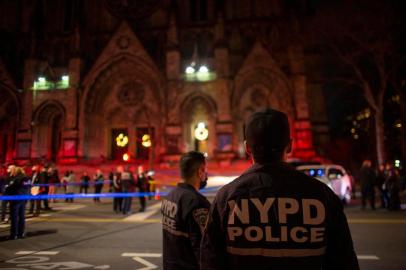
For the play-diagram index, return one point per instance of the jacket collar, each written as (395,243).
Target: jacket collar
(186,186)
(256,167)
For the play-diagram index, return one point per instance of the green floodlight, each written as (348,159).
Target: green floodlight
(203,74)
(190,70)
(203,69)
(43,84)
(63,83)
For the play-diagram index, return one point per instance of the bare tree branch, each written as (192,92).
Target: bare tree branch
(363,82)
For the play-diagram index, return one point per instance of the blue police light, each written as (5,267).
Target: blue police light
(320,173)
(311,172)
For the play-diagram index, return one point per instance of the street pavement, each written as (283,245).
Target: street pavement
(88,235)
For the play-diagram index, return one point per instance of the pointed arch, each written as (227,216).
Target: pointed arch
(48,122)
(10,112)
(259,83)
(199,108)
(198,97)
(260,71)
(124,89)
(46,110)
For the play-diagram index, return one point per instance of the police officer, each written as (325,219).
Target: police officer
(184,215)
(272,216)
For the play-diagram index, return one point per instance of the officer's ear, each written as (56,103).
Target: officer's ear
(247,149)
(289,146)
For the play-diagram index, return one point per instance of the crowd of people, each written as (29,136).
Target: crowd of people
(45,180)
(386,181)
(123,181)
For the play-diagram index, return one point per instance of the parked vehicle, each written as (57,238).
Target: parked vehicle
(297,162)
(333,176)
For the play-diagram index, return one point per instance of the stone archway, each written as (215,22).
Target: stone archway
(256,89)
(124,97)
(9,115)
(196,110)
(260,82)
(48,122)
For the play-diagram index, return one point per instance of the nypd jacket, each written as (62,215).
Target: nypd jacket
(274,217)
(184,215)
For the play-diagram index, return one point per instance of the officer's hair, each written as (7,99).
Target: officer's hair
(190,163)
(267,133)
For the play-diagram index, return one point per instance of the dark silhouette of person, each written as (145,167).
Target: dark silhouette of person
(367,180)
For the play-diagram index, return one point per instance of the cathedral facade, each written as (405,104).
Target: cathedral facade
(107,80)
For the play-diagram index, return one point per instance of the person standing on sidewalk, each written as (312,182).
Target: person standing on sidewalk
(68,180)
(54,181)
(98,184)
(393,185)
(142,183)
(18,186)
(381,177)
(44,186)
(35,204)
(5,183)
(127,186)
(367,180)
(117,201)
(84,183)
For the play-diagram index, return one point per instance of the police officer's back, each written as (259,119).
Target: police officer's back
(184,214)
(272,216)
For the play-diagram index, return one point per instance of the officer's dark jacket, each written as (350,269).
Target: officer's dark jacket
(274,217)
(184,215)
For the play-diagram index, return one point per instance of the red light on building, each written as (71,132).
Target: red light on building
(126,157)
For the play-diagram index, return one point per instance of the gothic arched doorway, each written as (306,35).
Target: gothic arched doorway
(119,109)
(48,122)
(199,114)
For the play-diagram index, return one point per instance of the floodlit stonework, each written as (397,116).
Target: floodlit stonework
(124,89)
